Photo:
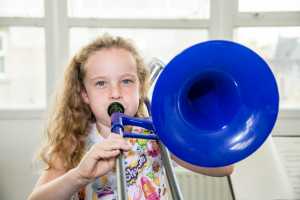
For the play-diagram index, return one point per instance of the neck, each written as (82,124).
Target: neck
(103,130)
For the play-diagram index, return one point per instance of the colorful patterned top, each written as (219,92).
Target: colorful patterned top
(144,172)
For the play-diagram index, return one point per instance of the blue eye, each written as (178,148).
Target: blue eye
(127,81)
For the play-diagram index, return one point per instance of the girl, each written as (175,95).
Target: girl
(80,152)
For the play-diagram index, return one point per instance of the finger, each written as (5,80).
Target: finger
(118,137)
(116,143)
(114,135)
(100,155)
(112,153)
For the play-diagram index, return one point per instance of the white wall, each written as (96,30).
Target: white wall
(19,140)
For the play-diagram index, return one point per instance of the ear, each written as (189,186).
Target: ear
(84,96)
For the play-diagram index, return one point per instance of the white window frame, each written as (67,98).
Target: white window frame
(55,27)
(224,18)
(288,119)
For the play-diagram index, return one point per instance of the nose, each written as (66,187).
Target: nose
(116,92)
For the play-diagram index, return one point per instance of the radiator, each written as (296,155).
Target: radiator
(199,187)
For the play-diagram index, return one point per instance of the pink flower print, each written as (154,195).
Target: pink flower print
(153,148)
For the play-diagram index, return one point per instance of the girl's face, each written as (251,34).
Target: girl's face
(111,76)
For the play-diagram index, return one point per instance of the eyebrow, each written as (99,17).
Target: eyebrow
(123,75)
(129,74)
(97,77)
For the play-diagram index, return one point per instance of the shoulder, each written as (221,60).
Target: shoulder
(56,170)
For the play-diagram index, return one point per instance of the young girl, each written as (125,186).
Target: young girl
(81,150)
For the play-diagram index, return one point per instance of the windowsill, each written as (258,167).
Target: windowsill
(289,112)
(22,114)
(38,113)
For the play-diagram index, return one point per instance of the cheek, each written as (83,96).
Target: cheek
(136,95)
(132,99)
(97,102)
(97,106)
(99,109)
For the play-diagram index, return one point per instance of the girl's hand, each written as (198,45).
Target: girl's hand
(100,159)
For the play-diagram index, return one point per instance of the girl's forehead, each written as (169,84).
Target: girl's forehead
(112,60)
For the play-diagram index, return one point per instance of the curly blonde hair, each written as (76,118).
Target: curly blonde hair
(68,123)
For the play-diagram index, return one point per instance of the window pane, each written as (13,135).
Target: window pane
(160,43)
(21,8)
(268,5)
(24,68)
(139,9)
(280,47)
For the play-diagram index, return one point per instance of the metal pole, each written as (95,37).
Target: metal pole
(121,181)
(156,67)
(173,184)
(120,169)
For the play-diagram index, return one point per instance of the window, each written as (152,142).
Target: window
(22,55)
(268,5)
(163,44)
(176,24)
(280,47)
(19,8)
(58,28)
(139,9)
(272,29)
(26,61)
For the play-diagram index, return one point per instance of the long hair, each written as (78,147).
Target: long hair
(69,120)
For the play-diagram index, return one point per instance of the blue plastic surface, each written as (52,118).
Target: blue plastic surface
(215,103)
(119,120)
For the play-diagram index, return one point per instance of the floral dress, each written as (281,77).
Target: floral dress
(144,172)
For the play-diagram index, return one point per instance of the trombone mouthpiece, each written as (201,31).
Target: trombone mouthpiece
(115,107)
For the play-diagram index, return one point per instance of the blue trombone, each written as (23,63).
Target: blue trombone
(214,104)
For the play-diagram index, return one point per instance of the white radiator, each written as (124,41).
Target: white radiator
(199,187)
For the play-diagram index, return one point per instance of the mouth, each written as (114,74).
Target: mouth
(115,107)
